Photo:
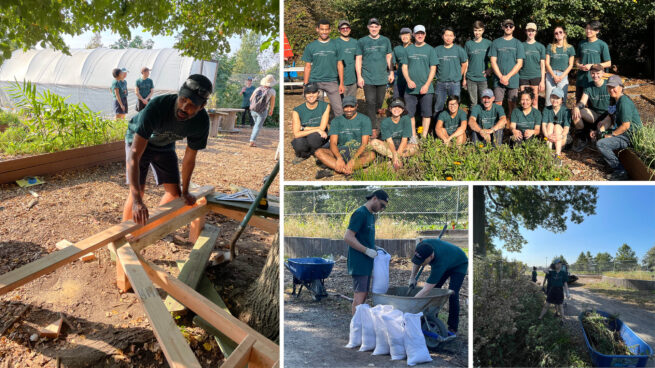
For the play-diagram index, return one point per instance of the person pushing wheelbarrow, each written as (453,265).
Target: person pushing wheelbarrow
(446,262)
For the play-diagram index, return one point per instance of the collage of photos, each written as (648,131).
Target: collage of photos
(338,183)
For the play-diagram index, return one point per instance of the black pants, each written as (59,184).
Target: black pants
(374,96)
(245,116)
(305,146)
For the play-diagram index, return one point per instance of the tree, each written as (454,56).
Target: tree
(202,26)
(95,41)
(649,259)
(582,261)
(263,300)
(603,261)
(625,255)
(136,43)
(246,57)
(509,208)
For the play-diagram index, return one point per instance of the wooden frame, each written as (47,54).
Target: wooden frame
(125,240)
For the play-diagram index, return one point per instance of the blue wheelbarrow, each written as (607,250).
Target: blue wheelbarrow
(311,273)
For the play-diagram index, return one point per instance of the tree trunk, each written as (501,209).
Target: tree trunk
(263,296)
(478,220)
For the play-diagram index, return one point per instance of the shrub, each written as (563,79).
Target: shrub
(643,142)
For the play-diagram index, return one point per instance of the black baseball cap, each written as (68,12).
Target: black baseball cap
(379,194)
(349,101)
(423,251)
(397,103)
(197,88)
(311,88)
(343,22)
(373,21)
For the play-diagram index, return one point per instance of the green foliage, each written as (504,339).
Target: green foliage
(649,259)
(95,41)
(335,227)
(625,254)
(437,161)
(201,27)
(246,57)
(300,18)
(634,275)
(50,124)
(643,143)
(601,336)
(136,43)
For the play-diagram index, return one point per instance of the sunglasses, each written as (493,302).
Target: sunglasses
(508,26)
(559,32)
(345,28)
(195,86)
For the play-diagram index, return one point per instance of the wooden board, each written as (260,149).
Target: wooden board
(52,261)
(265,224)
(173,344)
(168,227)
(206,288)
(241,355)
(272,211)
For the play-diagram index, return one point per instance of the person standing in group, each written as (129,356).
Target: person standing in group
(144,89)
(419,68)
(309,123)
(119,91)
(525,122)
(245,93)
(400,84)
(475,77)
(347,47)
(506,55)
(360,237)
(323,66)
(451,123)
(559,62)
(374,70)
(487,120)
(453,62)
(532,74)
(591,112)
(556,121)
(262,104)
(591,51)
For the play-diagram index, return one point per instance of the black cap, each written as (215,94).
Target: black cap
(349,101)
(423,251)
(507,21)
(373,21)
(343,22)
(379,194)
(197,88)
(397,103)
(311,88)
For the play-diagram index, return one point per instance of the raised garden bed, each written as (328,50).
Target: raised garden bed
(636,168)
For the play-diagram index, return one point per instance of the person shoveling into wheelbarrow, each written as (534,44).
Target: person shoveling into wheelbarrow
(447,262)
(557,287)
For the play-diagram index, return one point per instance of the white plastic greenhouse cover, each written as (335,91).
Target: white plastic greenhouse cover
(85,75)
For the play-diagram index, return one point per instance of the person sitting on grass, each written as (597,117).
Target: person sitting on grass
(627,122)
(349,137)
(309,123)
(595,116)
(395,131)
(556,121)
(451,123)
(557,287)
(525,122)
(492,120)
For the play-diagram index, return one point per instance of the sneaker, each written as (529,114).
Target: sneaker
(298,160)
(324,174)
(619,175)
(579,145)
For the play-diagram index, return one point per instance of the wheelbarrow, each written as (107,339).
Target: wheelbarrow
(435,331)
(310,273)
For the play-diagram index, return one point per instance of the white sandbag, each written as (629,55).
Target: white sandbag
(415,347)
(381,338)
(395,324)
(355,338)
(368,329)
(381,272)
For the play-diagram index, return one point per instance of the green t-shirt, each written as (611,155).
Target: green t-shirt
(350,130)
(347,51)
(557,279)
(626,111)
(487,118)
(534,53)
(122,88)
(374,59)
(311,118)
(450,63)
(563,116)
(534,275)
(396,131)
(446,257)
(419,60)
(246,96)
(598,97)
(324,57)
(559,60)
(451,124)
(398,53)
(591,53)
(157,123)
(144,86)
(362,222)
(507,53)
(478,55)
(526,122)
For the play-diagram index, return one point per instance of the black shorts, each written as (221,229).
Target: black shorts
(530,82)
(140,105)
(117,107)
(347,151)
(164,166)
(423,101)
(555,295)
(361,284)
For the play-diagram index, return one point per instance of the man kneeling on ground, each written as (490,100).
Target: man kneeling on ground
(349,137)
(395,131)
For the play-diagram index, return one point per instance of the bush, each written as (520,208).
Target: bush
(436,161)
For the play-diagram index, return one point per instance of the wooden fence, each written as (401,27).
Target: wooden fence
(630,283)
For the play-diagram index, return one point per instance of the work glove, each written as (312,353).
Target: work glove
(371,252)
(412,282)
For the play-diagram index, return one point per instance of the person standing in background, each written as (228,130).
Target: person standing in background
(119,91)
(246,92)
(144,89)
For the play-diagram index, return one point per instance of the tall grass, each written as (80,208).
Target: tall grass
(335,228)
(643,142)
(635,275)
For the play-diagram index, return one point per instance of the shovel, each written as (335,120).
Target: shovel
(409,291)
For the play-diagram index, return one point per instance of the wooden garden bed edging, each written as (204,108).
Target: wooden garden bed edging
(50,163)
(636,168)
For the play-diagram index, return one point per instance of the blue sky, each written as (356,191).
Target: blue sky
(624,214)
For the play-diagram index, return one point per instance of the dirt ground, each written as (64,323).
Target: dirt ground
(315,333)
(109,328)
(585,166)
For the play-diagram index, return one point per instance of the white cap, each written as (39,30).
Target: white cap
(419,28)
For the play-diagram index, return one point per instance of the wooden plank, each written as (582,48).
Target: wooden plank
(192,270)
(168,227)
(122,282)
(206,289)
(265,352)
(52,261)
(272,211)
(53,329)
(50,158)
(197,225)
(267,225)
(172,343)
(241,355)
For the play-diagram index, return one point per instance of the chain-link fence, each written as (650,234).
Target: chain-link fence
(428,207)
(598,268)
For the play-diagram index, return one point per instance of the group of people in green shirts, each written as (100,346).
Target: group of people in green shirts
(144,89)
(520,71)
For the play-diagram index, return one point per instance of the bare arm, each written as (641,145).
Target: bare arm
(139,209)
(461,130)
(352,241)
(516,68)
(465,67)
(358,67)
(340,72)
(270,112)
(118,98)
(188,164)
(473,123)
(549,69)
(494,66)
(426,289)
(501,123)
(307,72)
